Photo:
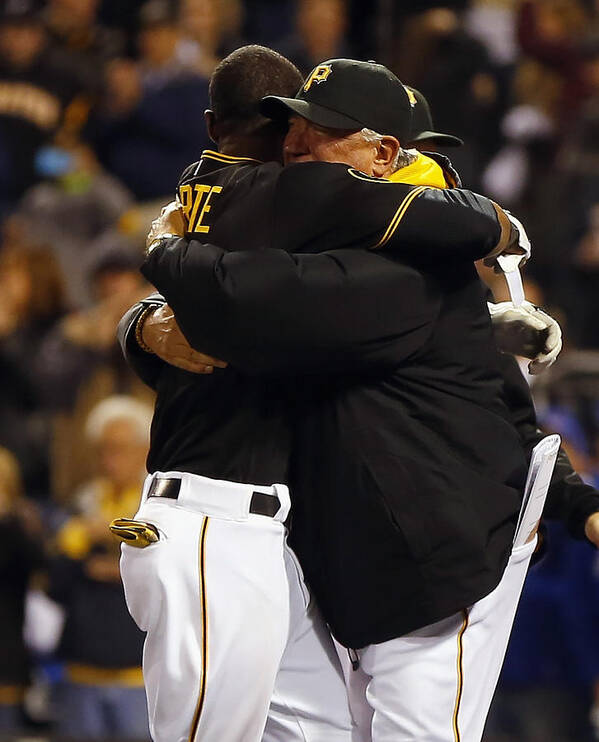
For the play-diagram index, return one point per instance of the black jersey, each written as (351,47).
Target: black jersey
(226,425)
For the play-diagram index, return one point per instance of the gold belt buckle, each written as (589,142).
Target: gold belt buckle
(136,533)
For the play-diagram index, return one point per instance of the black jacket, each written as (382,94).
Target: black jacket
(405,481)
(406,476)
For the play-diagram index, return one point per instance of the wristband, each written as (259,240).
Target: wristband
(139,326)
(158,240)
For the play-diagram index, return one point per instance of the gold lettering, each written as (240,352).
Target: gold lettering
(185,197)
(205,209)
(195,206)
(200,190)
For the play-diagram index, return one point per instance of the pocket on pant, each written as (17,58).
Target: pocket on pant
(137,568)
(297,573)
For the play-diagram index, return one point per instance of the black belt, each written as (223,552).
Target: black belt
(260,504)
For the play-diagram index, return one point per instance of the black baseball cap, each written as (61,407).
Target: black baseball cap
(348,94)
(422,123)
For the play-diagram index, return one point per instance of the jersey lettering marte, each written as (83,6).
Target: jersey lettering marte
(195,200)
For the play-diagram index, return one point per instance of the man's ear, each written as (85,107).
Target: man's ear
(388,149)
(211,125)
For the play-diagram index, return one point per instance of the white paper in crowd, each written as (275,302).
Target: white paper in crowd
(540,471)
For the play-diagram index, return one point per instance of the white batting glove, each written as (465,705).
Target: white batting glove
(526,331)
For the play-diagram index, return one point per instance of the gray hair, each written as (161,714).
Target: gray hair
(119,407)
(403,157)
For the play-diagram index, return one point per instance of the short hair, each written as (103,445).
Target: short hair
(119,407)
(243,78)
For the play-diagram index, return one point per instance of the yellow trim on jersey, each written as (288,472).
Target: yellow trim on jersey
(398,216)
(202,693)
(210,154)
(460,668)
(130,677)
(423,171)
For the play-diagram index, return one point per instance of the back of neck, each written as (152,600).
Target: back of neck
(257,148)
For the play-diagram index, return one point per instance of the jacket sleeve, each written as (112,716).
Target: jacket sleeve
(146,365)
(272,312)
(569,499)
(318,206)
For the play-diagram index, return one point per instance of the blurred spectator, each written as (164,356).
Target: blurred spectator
(74,211)
(103,695)
(85,339)
(554,33)
(32,292)
(122,15)
(152,122)
(435,54)
(211,30)
(267,22)
(529,133)
(73,28)
(320,34)
(523,175)
(585,259)
(82,362)
(21,552)
(36,87)
(493,22)
(551,671)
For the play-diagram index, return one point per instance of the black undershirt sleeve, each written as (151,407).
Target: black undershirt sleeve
(320,206)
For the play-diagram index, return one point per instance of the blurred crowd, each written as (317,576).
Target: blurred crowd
(101,108)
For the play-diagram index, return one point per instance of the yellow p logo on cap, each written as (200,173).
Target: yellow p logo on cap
(318,74)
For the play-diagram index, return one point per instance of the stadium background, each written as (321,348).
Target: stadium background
(101,107)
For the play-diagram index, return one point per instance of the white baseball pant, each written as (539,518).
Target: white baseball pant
(229,623)
(436,684)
